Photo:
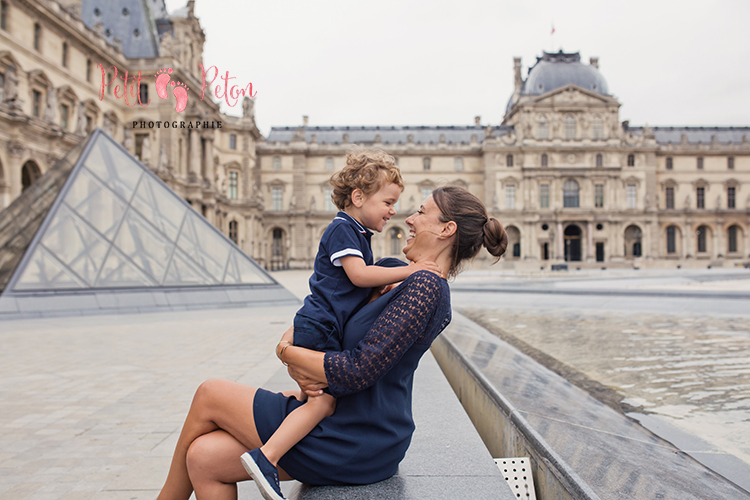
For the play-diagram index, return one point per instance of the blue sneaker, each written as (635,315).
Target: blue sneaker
(265,475)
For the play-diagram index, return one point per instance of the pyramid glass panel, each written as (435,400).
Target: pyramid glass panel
(145,245)
(201,243)
(44,271)
(96,203)
(114,168)
(119,272)
(248,271)
(157,204)
(182,272)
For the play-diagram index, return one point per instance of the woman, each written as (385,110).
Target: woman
(367,436)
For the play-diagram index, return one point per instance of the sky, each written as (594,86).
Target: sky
(438,62)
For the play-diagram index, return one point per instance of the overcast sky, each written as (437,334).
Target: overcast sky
(437,62)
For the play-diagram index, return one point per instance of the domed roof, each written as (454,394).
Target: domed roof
(555,70)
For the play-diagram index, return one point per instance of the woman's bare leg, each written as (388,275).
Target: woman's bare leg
(217,404)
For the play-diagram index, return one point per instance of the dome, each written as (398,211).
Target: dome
(553,71)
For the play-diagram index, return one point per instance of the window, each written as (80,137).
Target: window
(329,164)
(701,236)
(88,70)
(277,162)
(142,92)
(631,160)
(277,199)
(329,206)
(730,197)
(597,128)
(233,185)
(426,192)
(509,161)
(458,164)
(598,195)
(232,141)
(671,240)
(732,239)
(89,123)
(510,197)
(730,163)
(670,198)
(397,239)
(669,163)
(139,138)
(631,192)
(700,196)
(570,127)
(37,37)
(599,160)
(4,15)
(233,231)
(542,128)
(570,194)
(65,54)
(37,102)
(426,163)
(544,160)
(516,249)
(700,163)
(64,116)
(544,196)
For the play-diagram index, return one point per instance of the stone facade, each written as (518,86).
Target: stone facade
(566,178)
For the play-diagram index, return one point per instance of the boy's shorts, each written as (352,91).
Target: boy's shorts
(314,335)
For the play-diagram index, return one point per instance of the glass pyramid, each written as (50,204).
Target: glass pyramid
(102,222)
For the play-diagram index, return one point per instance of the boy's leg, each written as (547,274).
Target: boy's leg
(297,425)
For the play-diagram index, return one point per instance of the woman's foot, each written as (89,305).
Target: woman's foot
(263,472)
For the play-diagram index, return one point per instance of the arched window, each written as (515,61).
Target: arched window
(570,127)
(570,194)
(544,160)
(732,239)
(671,239)
(597,128)
(631,160)
(233,231)
(29,174)
(542,128)
(599,160)
(701,239)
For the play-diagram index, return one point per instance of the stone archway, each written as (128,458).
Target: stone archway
(633,245)
(277,251)
(514,243)
(572,236)
(30,172)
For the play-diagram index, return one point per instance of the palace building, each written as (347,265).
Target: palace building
(568,179)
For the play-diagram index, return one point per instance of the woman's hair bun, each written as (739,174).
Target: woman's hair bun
(495,237)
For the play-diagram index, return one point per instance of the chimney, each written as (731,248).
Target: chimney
(477,120)
(305,120)
(594,61)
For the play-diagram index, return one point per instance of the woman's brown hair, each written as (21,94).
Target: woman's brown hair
(474,228)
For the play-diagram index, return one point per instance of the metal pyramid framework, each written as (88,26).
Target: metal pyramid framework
(101,233)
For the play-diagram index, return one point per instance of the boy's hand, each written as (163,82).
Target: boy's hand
(426,266)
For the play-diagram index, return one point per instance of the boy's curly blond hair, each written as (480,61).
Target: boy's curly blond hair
(368,170)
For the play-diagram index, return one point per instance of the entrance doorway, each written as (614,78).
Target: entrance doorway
(572,243)
(600,251)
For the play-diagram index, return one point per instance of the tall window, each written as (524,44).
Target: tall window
(139,152)
(233,184)
(4,15)
(329,206)
(570,194)
(277,199)
(458,164)
(700,197)
(37,102)
(598,195)
(730,163)
(88,70)
(732,239)
(631,160)
(329,164)
(510,196)
(669,163)
(232,141)
(509,161)
(426,192)
(542,128)
(64,116)
(233,231)
(699,163)
(670,198)
(426,163)
(631,195)
(143,93)
(701,237)
(599,160)
(544,160)
(671,240)
(277,162)
(397,240)
(597,128)
(730,198)
(570,127)
(37,36)
(65,54)
(544,196)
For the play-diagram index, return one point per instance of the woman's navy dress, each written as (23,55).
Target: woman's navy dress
(367,436)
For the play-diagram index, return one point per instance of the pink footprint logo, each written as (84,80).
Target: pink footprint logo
(162,79)
(180,93)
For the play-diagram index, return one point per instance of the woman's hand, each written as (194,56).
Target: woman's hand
(307,385)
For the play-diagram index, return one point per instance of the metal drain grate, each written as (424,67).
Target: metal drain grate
(517,473)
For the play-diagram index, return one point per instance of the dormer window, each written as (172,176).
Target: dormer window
(570,127)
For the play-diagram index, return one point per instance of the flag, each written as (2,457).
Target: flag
(553,30)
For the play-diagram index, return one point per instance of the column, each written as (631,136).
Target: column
(686,250)
(194,156)
(207,171)
(717,250)
(590,242)
(559,252)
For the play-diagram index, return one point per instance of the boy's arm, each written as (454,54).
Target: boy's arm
(365,276)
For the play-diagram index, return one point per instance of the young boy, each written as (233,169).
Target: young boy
(366,191)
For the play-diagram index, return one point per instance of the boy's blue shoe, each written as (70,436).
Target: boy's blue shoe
(265,475)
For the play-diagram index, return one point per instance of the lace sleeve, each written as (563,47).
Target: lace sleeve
(404,322)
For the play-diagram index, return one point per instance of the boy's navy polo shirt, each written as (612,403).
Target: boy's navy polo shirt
(333,297)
